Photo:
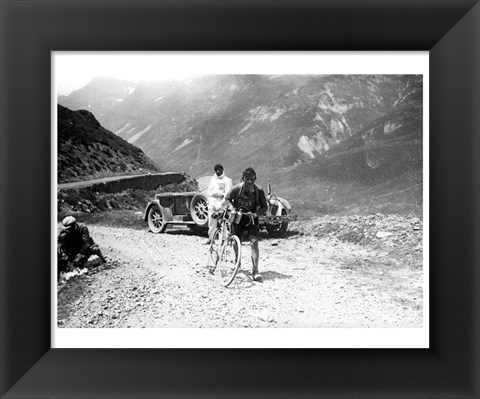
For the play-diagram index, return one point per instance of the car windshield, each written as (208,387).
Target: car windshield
(203,182)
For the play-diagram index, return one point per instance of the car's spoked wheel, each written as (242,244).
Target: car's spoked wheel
(278,230)
(156,221)
(229,261)
(199,210)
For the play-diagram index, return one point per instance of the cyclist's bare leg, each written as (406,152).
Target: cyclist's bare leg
(255,254)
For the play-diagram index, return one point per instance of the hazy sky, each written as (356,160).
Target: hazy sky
(73,70)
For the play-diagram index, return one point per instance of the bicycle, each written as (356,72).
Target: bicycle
(225,251)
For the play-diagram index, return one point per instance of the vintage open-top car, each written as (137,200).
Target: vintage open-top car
(190,208)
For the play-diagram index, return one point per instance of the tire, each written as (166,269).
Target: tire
(199,210)
(278,230)
(229,261)
(156,220)
(213,251)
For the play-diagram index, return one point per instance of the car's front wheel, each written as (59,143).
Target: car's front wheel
(279,229)
(156,221)
(199,210)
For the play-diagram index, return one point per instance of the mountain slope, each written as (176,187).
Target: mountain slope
(222,116)
(379,168)
(99,96)
(341,137)
(87,150)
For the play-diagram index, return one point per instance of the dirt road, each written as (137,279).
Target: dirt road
(350,272)
(87,183)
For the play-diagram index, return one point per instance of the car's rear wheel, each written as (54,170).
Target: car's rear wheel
(278,230)
(199,210)
(156,220)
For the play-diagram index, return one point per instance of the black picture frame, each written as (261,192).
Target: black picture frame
(30,30)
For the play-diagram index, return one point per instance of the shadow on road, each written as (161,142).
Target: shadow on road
(246,276)
(182,232)
(271,275)
(265,236)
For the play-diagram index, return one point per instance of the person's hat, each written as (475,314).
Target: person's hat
(217,166)
(68,221)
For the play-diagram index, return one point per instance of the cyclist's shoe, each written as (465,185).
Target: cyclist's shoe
(257,277)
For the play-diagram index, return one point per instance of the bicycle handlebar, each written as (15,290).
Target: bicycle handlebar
(249,215)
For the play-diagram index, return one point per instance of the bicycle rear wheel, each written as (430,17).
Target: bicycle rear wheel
(229,261)
(213,251)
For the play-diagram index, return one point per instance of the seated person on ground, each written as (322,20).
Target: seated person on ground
(75,245)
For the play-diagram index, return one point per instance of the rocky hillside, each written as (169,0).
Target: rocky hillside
(328,142)
(86,150)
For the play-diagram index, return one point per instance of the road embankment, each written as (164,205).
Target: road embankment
(117,184)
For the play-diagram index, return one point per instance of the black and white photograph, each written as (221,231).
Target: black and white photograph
(240,200)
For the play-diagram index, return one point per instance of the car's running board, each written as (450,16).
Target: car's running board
(180,222)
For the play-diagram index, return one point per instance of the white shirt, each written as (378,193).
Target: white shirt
(219,186)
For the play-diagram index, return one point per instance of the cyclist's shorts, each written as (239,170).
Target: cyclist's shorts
(240,228)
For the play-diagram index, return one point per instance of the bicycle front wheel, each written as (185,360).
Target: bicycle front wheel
(229,261)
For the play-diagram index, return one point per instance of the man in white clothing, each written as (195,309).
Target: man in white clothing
(219,186)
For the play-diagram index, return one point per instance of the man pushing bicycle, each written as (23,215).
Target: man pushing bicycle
(249,199)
